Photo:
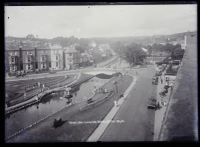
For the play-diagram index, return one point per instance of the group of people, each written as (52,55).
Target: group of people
(38,85)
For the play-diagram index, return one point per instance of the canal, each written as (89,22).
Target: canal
(49,104)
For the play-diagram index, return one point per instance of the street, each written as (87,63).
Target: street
(139,121)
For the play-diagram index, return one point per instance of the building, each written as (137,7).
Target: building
(42,55)
(29,56)
(86,59)
(71,58)
(23,56)
(56,57)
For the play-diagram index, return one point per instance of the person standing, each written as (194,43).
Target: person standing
(36,98)
(24,94)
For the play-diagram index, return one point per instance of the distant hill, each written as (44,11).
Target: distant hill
(66,41)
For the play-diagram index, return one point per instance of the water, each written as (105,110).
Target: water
(50,104)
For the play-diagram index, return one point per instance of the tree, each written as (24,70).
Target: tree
(30,36)
(81,49)
(149,48)
(177,54)
(118,47)
(134,54)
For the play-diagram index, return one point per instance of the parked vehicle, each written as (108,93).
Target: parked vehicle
(158,73)
(163,93)
(155,80)
(152,107)
(152,104)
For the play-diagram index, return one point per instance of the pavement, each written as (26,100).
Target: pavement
(160,113)
(138,120)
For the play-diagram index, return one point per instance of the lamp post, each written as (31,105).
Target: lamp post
(116,93)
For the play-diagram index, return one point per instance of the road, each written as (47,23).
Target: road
(138,120)
(61,73)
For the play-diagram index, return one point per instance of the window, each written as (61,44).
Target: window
(13,68)
(29,66)
(43,66)
(43,58)
(29,58)
(57,57)
(56,64)
(12,59)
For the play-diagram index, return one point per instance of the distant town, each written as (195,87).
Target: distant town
(35,55)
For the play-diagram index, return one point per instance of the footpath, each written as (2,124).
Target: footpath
(163,102)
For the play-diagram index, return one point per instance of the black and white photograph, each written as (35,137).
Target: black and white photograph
(100,73)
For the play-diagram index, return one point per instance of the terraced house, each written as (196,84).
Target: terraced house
(31,56)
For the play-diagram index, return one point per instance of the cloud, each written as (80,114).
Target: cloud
(125,20)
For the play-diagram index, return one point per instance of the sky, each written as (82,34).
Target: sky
(99,21)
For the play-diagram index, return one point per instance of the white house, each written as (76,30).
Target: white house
(56,55)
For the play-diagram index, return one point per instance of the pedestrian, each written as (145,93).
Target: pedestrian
(38,84)
(43,87)
(36,98)
(161,80)
(25,94)
(115,102)
(171,88)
